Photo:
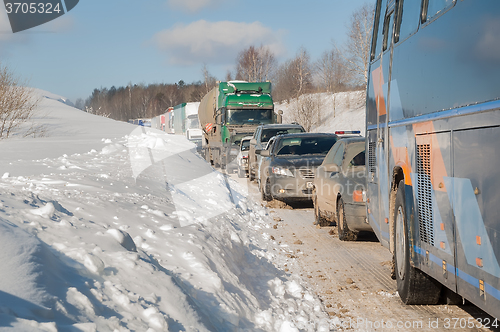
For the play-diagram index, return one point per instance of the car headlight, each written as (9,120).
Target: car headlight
(282,171)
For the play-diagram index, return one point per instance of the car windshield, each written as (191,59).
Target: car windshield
(268,133)
(249,116)
(305,145)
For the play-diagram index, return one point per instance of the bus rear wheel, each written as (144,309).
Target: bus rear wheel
(414,286)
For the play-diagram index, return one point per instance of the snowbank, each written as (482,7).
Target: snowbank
(107,226)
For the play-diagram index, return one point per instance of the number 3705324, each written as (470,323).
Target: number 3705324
(32,8)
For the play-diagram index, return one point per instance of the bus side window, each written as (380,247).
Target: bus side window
(409,14)
(388,28)
(435,7)
(378,29)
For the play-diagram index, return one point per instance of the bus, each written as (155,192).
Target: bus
(432,129)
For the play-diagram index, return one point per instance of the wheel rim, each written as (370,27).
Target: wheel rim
(400,243)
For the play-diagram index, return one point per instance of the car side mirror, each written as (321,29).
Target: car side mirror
(265,153)
(253,141)
(258,151)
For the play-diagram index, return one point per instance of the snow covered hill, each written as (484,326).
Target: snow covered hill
(106,226)
(339,111)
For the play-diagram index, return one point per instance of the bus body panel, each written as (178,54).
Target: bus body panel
(433,115)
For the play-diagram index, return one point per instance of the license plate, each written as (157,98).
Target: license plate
(309,185)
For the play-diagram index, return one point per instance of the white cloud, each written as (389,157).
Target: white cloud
(215,42)
(192,6)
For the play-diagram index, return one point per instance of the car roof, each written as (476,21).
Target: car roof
(247,138)
(281,125)
(308,135)
(350,140)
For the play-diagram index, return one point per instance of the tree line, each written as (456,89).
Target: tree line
(140,100)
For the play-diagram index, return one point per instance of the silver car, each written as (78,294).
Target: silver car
(242,158)
(339,189)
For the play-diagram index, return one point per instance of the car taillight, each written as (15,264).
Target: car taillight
(357,196)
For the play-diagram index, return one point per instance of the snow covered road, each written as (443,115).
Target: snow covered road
(352,279)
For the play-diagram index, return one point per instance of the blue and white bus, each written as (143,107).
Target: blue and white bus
(433,127)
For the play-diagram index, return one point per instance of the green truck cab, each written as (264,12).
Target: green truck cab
(231,111)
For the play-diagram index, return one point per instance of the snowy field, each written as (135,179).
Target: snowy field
(107,226)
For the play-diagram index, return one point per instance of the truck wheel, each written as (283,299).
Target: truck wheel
(318,218)
(251,177)
(241,173)
(223,163)
(207,156)
(345,234)
(414,286)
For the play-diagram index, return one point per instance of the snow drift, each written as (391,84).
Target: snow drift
(107,226)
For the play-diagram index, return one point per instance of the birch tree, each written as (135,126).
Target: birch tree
(17,104)
(357,48)
(255,64)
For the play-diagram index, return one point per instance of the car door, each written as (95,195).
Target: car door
(322,182)
(260,160)
(333,179)
(265,163)
(251,152)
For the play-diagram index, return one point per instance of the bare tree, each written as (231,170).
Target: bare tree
(208,83)
(356,50)
(331,72)
(17,104)
(294,77)
(306,110)
(303,71)
(255,64)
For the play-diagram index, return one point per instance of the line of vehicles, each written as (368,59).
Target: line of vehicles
(181,119)
(428,186)
(424,178)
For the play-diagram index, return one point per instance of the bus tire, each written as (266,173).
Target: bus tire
(414,286)
(345,234)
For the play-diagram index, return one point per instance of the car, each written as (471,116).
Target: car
(339,189)
(289,165)
(242,158)
(261,136)
(232,165)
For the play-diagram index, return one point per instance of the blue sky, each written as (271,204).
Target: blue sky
(114,42)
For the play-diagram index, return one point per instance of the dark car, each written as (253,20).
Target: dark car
(289,165)
(339,189)
(261,136)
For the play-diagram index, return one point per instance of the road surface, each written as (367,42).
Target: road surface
(353,278)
